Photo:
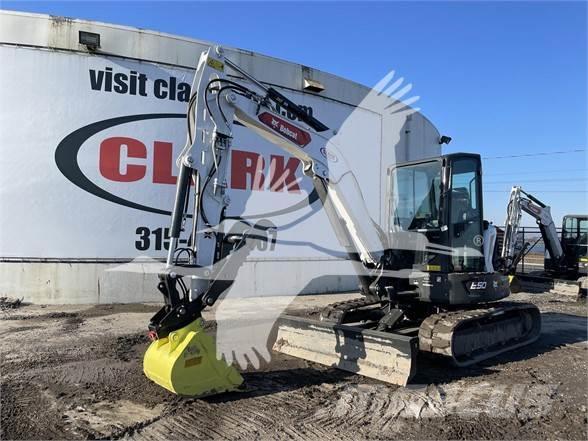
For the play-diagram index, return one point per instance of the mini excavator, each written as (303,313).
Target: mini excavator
(566,260)
(443,298)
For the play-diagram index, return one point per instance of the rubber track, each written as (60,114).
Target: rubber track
(335,312)
(436,331)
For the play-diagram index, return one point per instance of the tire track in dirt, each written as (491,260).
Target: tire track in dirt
(84,379)
(27,408)
(276,405)
(282,415)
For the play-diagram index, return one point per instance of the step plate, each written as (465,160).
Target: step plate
(384,356)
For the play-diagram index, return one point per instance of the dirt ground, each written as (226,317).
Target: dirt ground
(75,372)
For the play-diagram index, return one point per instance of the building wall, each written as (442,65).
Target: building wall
(88,170)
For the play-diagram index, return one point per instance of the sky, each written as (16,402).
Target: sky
(507,80)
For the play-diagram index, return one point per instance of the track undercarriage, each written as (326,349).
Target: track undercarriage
(372,339)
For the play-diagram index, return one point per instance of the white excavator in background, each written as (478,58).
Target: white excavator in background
(566,262)
(426,283)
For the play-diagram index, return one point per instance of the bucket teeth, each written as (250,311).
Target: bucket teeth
(185,363)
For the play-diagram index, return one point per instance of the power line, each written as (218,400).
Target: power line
(539,191)
(532,172)
(527,155)
(537,180)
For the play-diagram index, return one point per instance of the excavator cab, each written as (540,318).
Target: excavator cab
(441,199)
(437,205)
(574,241)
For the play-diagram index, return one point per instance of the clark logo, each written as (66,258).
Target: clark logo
(286,129)
(134,172)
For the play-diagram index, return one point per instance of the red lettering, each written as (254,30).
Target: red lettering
(110,159)
(283,175)
(163,163)
(244,165)
(247,168)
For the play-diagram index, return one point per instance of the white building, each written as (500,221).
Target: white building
(88,143)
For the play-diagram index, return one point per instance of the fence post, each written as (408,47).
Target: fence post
(523,261)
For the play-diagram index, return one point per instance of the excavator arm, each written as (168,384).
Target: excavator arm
(520,201)
(217,103)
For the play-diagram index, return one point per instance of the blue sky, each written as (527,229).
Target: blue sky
(501,78)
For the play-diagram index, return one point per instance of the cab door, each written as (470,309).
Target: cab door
(465,215)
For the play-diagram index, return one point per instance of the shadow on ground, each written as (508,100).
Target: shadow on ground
(258,384)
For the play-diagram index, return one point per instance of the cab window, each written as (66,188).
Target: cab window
(570,230)
(415,197)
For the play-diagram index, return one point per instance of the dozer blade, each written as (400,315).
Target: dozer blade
(380,355)
(542,283)
(571,288)
(185,363)
(470,336)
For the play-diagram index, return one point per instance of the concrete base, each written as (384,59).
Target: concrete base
(136,282)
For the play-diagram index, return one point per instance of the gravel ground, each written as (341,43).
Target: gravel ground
(75,372)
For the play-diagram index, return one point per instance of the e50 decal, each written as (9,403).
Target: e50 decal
(478,285)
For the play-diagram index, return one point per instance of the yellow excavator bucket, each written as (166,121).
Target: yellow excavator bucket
(514,284)
(185,363)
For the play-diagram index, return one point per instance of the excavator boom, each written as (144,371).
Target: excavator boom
(216,103)
(511,254)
